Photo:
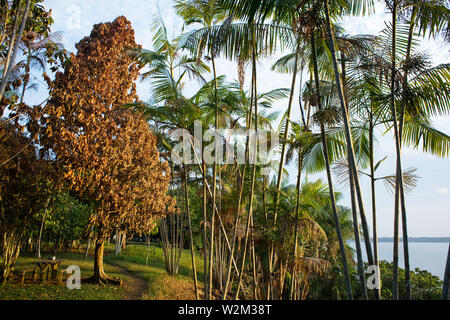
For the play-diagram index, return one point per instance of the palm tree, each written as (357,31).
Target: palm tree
(425,94)
(206,13)
(15,41)
(431,20)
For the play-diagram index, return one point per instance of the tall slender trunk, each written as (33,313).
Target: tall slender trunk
(7,75)
(12,41)
(329,177)
(360,263)
(374,202)
(446,285)
(205,245)
(239,206)
(399,170)
(253,253)
(88,246)
(188,213)
(147,241)
(214,178)
(297,213)
(283,153)
(362,281)
(399,187)
(348,137)
(41,229)
(253,178)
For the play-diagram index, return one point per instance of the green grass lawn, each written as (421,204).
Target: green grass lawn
(161,286)
(51,291)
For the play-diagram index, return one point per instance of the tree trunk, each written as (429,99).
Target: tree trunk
(253,178)
(374,203)
(329,177)
(147,241)
(11,42)
(348,137)
(124,240)
(362,281)
(10,252)
(205,245)
(445,287)
(360,262)
(283,150)
(5,79)
(297,213)
(239,206)
(41,230)
(399,187)
(99,272)
(117,242)
(214,178)
(400,136)
(100,277)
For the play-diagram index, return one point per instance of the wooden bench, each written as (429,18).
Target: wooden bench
(59,276)
(24,272)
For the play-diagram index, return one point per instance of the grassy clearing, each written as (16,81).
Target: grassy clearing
(161,285)
(52,291)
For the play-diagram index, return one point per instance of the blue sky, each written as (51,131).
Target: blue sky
(428,206)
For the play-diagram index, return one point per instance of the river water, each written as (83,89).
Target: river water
(430,256)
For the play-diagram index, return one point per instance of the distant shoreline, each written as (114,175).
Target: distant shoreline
(416,239)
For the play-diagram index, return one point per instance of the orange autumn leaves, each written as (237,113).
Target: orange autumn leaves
(108,155)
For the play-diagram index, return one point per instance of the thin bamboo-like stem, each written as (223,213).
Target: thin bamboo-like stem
(297,213)
(191,237)
(446,284)
(253,178)
(399,169)
(348,135)
(329,177)
(283,152)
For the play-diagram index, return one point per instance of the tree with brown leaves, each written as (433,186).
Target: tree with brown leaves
(107,155)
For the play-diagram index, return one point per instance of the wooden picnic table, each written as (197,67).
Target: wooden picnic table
(51,264)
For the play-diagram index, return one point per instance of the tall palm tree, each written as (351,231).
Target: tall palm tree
(206,13)
(427,19)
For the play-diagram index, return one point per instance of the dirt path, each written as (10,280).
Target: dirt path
(135,287)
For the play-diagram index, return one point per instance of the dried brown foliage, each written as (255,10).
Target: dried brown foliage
(108,155)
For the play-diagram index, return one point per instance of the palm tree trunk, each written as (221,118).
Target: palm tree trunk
(6,76)
(402,120)
(374,205)
(188,213)
(297,212)
(214,178)
(329,177)
(255,157)
(283,153)
(205,245)
(252,249)
(348,137)
(239,207)
(399,189)
(445,287)
(12,41)
(362,281)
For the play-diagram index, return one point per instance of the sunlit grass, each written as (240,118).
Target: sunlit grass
(161,285)
(52,291)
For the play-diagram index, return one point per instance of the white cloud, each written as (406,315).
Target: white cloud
(443,191)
